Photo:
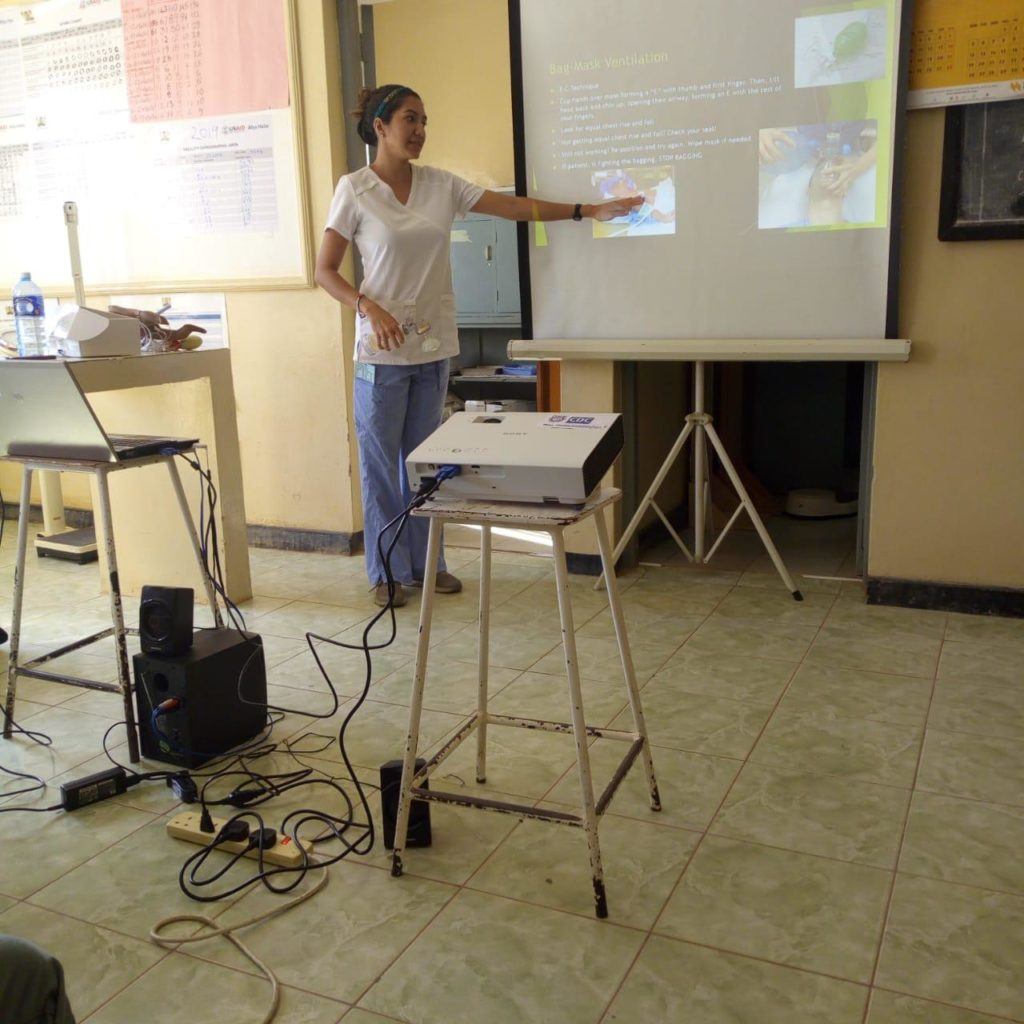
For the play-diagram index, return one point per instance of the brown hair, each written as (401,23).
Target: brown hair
(381,102)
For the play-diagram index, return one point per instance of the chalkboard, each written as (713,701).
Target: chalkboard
(983,172)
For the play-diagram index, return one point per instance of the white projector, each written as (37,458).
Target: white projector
(83,332)
(554,458)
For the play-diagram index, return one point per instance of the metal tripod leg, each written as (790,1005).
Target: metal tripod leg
(648,501)
(741,491)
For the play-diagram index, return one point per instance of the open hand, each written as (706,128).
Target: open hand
(613,208)
(386,329)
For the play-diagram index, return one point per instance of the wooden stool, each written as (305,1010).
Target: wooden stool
(552,520)
(99,470)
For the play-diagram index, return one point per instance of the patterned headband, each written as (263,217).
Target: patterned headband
(382,106)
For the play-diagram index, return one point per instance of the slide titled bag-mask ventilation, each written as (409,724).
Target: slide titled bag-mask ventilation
(759,134)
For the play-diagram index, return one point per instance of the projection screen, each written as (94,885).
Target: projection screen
(762,135)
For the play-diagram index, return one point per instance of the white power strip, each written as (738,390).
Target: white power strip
(186,826)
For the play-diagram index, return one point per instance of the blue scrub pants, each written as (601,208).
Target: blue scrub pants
(394,412)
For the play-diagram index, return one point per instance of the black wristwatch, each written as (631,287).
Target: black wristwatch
(577,212)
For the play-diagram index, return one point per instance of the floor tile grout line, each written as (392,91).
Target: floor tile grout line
(689,861)
(377,1013)
(779,699)
(35,892)
(394,960)
(459,888)
(251,971)
(873,783)
(942,1002)
(108,927)
(802,969)
(1014,894)
(465,884)
(124,988)
(739,772)
(961,796)
(887,910)
(536,801)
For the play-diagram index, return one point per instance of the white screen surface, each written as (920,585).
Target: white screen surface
(760,133)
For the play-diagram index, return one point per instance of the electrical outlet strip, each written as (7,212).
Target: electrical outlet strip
(186,826)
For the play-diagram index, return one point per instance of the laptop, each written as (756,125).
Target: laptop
(45,414)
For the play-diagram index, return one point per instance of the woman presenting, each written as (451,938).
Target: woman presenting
(400,218)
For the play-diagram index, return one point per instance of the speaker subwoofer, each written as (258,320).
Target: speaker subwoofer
(220,684)
(165,620)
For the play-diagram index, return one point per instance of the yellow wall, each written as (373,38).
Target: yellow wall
(948,497)
(454,53)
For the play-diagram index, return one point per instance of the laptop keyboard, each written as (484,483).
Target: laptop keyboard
(125,442)
(129,442)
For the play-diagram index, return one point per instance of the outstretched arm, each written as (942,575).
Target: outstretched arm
(499,204)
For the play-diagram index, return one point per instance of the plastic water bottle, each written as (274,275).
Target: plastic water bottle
(28,317)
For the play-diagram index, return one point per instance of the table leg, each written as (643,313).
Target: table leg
(483,653)
(19,587)
(579,725)
(51,497)
(226,464)
(117,615)
(416,701)
(615,606)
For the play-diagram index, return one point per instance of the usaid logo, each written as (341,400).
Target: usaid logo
(581,419)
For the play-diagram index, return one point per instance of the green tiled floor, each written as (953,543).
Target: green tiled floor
(843,791)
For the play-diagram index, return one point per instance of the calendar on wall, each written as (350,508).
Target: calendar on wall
(966,51)
(170,124)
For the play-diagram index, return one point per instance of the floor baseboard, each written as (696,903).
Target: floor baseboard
(946,597)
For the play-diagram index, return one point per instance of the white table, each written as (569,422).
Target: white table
(140,562)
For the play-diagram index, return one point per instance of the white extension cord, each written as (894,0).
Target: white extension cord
(227,932)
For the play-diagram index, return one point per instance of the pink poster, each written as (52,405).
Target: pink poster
(186,59)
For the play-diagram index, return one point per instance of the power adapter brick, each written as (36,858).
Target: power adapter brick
(91,789)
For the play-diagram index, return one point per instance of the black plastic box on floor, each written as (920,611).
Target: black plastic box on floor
(221,682)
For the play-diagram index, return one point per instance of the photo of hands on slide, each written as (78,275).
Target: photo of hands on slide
(655,216)
(817,175)
(832,49)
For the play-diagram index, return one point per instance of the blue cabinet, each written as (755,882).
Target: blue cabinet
(485,269)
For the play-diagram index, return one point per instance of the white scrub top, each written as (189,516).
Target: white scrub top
(406,253)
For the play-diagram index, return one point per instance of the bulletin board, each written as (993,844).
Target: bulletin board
(175,125)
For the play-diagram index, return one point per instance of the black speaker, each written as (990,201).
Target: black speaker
(418,833)
(221,684)
(165,620)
